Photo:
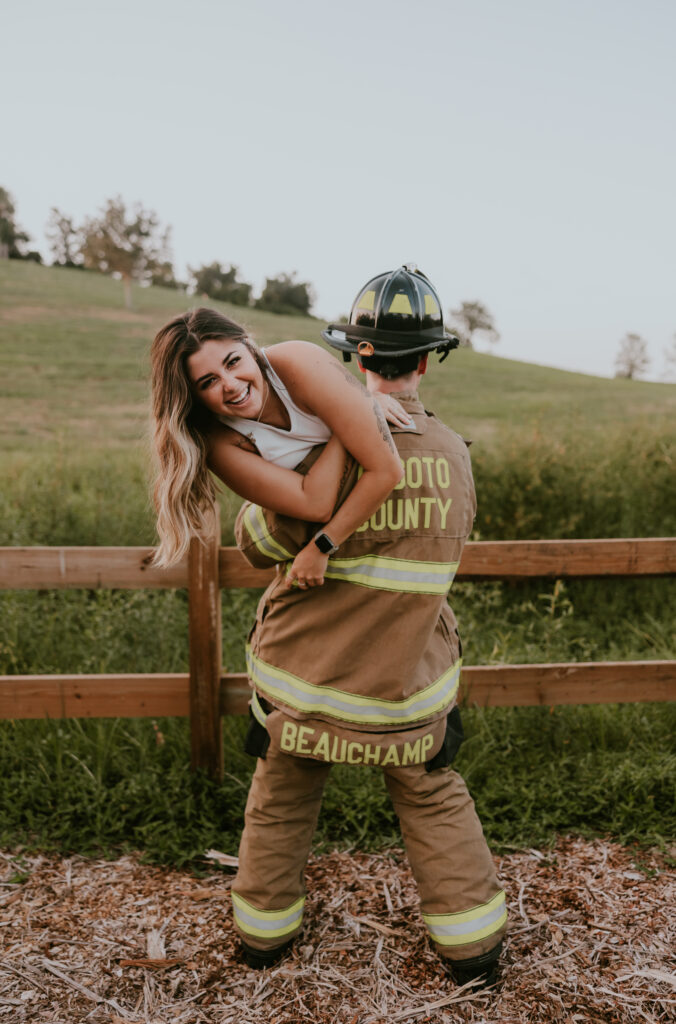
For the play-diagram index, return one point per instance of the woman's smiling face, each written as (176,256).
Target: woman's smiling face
(225,377)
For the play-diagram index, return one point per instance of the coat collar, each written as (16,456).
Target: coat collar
(415,408)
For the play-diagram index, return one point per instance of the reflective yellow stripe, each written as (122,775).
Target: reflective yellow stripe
(396,574)
(468,925)
(400,304)
(366,300)
(267,924)
(297,693)
(257,528)
(257,710)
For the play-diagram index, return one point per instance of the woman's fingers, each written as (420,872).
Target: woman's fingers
(394,411)
(308,568)
(304,582)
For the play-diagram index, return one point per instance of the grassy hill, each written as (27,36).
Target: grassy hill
(556,455)
(74,368)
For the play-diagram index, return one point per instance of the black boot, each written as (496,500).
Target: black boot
(261,958)
(483,968)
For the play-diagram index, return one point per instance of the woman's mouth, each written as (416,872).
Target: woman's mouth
(241,398)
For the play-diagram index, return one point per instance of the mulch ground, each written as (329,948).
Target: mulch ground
(591,939)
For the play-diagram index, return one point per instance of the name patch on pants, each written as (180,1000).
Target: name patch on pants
(322,745)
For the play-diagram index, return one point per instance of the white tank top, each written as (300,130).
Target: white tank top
(285,448)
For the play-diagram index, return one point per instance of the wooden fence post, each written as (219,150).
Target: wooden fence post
(204,604)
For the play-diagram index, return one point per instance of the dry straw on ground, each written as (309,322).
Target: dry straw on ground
(591,939)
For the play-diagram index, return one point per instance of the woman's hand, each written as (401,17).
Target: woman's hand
(308,568)
(393,411)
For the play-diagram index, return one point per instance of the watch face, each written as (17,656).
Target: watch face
(324,543)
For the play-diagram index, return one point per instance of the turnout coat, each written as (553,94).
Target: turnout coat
(365,668)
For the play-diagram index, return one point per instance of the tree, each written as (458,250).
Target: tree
(669,354)
(64,239)
(163,276)
(283,294)
(129,244)
(220,284)
(632,358)
(12,238)
(470,318)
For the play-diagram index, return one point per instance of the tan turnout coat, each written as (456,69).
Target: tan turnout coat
(365,668)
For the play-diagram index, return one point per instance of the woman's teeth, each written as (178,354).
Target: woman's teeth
(242,397)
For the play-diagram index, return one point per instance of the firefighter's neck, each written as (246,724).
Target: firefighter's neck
(406,385)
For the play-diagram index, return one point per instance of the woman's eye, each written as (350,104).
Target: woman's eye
(233,362)
(207,383)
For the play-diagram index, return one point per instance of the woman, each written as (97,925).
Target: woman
(249,416)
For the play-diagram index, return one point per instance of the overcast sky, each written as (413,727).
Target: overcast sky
(522,153)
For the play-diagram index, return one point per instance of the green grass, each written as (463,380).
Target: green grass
(103,787)
(618,485)
(109,786)
(555,455)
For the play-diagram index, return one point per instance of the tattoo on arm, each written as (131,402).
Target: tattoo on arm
(380,417)
(345,474)
(246,445)
(382,426)
(349,377)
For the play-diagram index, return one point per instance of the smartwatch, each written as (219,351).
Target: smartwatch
(324,543)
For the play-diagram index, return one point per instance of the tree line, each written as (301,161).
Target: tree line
(130,243)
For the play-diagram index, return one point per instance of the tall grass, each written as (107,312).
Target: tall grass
(103,787)
(610,482)
(106,786)
(530,485)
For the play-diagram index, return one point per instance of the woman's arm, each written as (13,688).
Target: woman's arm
(311,497)
(319,383)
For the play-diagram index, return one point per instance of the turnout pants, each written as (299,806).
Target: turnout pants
(462,904)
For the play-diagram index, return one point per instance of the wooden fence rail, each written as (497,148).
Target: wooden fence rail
(205,693)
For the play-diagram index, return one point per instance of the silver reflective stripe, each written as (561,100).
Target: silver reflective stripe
(267,924)
(398,574)
(470,925)
(257,528)
(257,710)
(301,695)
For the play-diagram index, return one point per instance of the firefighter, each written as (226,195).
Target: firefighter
(364,669)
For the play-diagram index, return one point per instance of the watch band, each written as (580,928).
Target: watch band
(324,543)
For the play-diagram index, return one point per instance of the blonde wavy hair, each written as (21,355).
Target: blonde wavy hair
(184,492)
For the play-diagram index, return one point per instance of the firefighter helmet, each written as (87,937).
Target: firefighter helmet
(395,314)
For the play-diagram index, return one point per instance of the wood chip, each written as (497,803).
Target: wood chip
(669,979)
(588,943)
(86,992)
(226,859)
(147,961)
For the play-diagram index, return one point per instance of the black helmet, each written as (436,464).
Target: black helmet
(395,314)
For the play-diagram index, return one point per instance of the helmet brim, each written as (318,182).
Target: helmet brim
(383,345)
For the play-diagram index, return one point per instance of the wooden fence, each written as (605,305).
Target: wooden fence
(206,692)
